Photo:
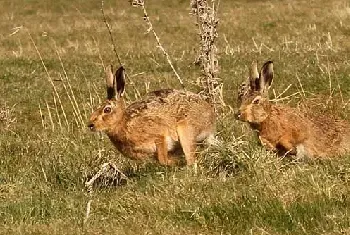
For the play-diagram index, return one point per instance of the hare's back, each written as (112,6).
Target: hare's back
(169,102)
(331,134)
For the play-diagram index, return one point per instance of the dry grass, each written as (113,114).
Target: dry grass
(47,154)
(7,118)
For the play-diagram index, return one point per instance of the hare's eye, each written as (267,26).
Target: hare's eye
(107,110)
(257,101)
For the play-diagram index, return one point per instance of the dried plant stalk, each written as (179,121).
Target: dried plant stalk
(88,211)
(55,91)
(65,78)
(207,21)
(109,28)
(42,117)
(57,113)
(141,3)
(50,116)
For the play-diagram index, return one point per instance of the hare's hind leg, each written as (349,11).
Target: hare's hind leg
(187,141)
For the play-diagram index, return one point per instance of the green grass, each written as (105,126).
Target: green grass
(239,187)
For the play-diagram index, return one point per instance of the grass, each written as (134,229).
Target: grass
(239,187)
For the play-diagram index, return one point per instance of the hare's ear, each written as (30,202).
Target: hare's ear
(120,81)
(266,76)
(110,82)
(254,77)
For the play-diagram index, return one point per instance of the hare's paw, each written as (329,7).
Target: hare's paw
(267,144)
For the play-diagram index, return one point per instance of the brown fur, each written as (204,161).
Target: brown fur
(287,130)
(158,124)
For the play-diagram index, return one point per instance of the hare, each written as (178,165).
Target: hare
(158,125)
(287,130)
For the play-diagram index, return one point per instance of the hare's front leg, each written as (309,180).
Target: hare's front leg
(286,143)
(267,144)
(162,152)
(187,141)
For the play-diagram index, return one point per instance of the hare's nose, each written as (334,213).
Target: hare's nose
(91,126)
(237,115)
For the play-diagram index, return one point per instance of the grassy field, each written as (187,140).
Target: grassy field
(47,153)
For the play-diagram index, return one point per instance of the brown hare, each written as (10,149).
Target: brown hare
(158,125)
(287,130)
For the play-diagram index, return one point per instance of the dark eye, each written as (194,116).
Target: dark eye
(107,110)
(257,101)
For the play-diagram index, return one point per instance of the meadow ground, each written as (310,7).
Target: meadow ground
(46,154)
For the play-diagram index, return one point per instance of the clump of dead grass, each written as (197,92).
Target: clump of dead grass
(7,117)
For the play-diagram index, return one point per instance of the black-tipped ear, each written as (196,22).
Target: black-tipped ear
(254,77)
(266,76)
(111,92)
(120,81)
